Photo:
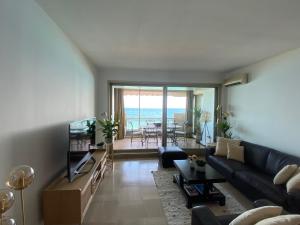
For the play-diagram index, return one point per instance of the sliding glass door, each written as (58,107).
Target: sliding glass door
(151,116)
(190,116)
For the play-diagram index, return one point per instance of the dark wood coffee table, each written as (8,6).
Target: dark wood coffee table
(202,183)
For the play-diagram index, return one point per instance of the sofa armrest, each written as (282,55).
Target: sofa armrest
(202,215)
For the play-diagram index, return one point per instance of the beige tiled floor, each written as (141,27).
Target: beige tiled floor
(127,196)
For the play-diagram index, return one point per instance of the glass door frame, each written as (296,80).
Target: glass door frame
(165,86)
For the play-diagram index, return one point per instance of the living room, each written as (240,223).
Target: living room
(58,60)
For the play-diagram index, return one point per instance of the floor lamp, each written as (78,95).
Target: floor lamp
(205,132)
(6,202)
(20,178)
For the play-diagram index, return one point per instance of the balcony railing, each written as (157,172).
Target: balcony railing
(137,123)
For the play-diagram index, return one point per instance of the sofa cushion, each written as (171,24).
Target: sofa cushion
(256,155)
(236,153)
(281,220)
(277,160)
(221,148)
(285,174)
(262,183)
(226,166)
(293,185)
(253,216)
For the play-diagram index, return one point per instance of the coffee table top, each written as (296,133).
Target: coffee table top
(191,176)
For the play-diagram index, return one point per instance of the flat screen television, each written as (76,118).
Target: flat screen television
(81,141)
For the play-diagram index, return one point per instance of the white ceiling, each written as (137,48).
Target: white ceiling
(207,35)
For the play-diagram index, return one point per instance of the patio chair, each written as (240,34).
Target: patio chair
(136,134)
(182,132)
(171,128)
(151,131)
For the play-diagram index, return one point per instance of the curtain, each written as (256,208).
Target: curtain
(189,111)
(119,111)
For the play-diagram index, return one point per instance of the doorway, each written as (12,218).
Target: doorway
(163,115)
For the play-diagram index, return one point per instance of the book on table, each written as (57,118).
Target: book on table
(191,190)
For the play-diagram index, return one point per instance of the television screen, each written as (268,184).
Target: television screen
(82,134)
(81,138)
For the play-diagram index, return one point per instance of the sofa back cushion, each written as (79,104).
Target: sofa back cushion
(277,160)
(256,155)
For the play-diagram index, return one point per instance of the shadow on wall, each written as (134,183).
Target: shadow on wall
(44,149)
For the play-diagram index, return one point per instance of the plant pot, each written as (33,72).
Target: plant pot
(108,141)
(93,140)
(200,169)
(109,149)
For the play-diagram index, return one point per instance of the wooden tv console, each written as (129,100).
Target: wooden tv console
(67,203)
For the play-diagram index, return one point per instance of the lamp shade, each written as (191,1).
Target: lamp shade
(6,200)
(20,177)
(206,117)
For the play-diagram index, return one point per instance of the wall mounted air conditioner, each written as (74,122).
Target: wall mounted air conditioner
(236,80)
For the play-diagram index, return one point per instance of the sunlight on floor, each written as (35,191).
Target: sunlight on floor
(127,196)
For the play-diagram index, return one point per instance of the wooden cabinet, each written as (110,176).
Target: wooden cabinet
(67,203)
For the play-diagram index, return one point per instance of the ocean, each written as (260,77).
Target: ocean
(146,114)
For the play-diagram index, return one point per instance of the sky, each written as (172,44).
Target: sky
(131,101)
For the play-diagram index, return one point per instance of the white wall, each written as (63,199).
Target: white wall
(44,83)
(266,111)
(156,76)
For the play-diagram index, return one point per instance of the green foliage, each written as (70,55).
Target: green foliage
(197,115)
(225,127)
(109,128)
(223,123)
(92,127)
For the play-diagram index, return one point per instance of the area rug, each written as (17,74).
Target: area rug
(174,203)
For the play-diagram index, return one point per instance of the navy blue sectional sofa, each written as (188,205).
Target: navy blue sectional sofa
(254,178)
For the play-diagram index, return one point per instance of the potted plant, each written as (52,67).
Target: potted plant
(109,129)
(91,131)
(223,123)
(197,117)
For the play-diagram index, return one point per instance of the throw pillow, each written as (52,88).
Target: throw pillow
(281,220)
(235,153)
(293,185)
(221,148)
(253,216)
(285,174)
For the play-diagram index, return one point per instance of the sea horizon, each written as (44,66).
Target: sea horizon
(141,117)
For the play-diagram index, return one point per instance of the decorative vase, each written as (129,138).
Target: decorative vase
(200,166)
(192,163)
(200,169)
